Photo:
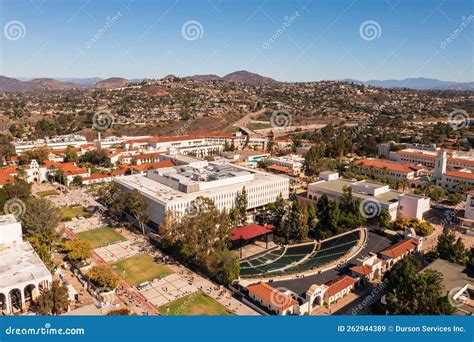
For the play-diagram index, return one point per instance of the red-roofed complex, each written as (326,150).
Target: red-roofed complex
(339,288)
(272,299)
(399,250)
(385,168)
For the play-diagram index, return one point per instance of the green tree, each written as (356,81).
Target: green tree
(103,276)
(226,267)
(241,205)
(40,216)
(53,301)
(19,189)
(71,154)
(296,224)
(6,148)
(410,292)
(456,198)
(78,250)
(43,243)
(137,207)
(312,220)
(451,249)
(277,211)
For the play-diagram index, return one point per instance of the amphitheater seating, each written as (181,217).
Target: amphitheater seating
(277,261)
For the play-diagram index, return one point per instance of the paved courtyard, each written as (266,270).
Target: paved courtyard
(81,225)
(117,251)
(167,289)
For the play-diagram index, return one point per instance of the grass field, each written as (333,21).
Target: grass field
(140,268)
(258,125)
(47,193)
(68,213)
(101,236)
(195,304)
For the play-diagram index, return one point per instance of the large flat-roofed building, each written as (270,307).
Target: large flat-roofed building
(175,188)
(54,143)
(397,203)
(22,273)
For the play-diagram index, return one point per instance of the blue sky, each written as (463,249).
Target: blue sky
(321,39)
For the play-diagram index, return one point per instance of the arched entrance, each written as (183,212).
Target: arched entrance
(30,294)
(15,300)
(317,301)
(3,301)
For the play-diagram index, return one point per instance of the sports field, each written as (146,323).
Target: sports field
(140,268)
(194,304)
(100,237)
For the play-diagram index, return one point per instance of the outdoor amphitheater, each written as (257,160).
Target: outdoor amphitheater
(302,258)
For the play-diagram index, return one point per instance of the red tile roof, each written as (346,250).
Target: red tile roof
(279,168)
(250,231)
(400,248)
(271,295)
(148,166)
(389,165)
(433,157)
(338,285)
(460,174)
(147,155)
(362,269)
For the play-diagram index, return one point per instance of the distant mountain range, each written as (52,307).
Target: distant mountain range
(10,84)
(420,83)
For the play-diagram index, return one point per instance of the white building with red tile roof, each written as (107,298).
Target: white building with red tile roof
(272,299)
(386,168)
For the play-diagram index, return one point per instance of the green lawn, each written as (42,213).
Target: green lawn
(140,268)
(258,125)
(68,213)
(195,304)
(47,193)
(101,236)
